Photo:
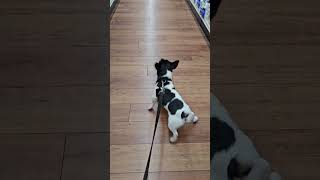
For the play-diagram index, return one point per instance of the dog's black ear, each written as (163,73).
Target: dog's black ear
(174,64)
(156,65)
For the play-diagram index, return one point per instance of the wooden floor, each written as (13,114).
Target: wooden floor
(52,90)
(266,71)
(142,32)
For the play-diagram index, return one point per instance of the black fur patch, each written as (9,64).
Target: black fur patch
(236,171)
(164,80)
(175,105)
(166,83)
(167,97)
(222,136)
(159,84)
(184,115)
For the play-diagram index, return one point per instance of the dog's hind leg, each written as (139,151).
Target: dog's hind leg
(174,136)
(174,124)
(260,170)
(192,117)
(195,118)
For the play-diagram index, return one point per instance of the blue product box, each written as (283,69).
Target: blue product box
(203,8)
(198,3)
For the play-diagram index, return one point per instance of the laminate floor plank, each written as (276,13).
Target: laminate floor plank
(124,133)
(33,156)
(189,175)
(85,157)
(165,157)
(52,110)
(151,60)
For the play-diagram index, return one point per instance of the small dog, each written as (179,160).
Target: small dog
(233,156)
(178,110)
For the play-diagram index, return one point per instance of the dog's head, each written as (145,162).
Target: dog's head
(165,67)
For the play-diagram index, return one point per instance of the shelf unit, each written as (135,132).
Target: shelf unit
(204,24)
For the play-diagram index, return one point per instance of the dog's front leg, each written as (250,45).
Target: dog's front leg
(154,103)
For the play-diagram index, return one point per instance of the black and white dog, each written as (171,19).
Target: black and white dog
(233,156)
(178,110)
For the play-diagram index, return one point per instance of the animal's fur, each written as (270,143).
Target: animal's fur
(178,110)
(233,155)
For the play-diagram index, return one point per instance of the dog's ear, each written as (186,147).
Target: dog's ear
(156,65)
(174,64)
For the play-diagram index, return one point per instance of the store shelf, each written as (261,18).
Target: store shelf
(113,5)
(205,25)
(111,2)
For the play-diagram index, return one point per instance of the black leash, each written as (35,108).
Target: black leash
(146,172)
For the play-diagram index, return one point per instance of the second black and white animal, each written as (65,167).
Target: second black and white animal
(178,110)
(233,155)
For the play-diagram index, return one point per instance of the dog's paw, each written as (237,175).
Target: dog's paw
(173,139)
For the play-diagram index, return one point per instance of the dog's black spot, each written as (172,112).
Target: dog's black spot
(167,96)
(235,170)
(184,115)
(164,80)
(222,136)
(175,105)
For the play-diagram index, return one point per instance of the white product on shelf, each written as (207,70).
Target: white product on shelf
(207,15)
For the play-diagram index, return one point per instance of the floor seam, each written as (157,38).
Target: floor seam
(129,113)
(64,150)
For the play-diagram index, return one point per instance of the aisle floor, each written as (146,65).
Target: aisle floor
(142,32)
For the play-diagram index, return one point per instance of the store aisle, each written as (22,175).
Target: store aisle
(142,32)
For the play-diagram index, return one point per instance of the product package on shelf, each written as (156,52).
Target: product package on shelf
(207,14)
(198,3)
(202,8)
